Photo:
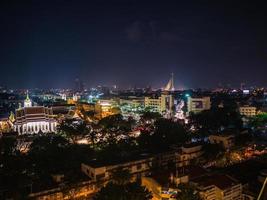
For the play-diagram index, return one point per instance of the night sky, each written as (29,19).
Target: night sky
(132,43)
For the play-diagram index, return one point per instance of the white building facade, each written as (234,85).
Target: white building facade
(34,119)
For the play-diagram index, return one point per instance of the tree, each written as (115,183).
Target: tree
(166,133)
(115,122)
(209,121)
(73,130)
(48,155)
(121,177)
(8,146)
(150,116)
(13,166)
(188,192)
(130,191)
(92,137)
(258,121)
(243,139)
(212,151)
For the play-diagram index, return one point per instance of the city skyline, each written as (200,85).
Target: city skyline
(49,44)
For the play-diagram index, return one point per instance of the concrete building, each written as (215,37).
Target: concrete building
(102,172)
(80,190)
(196,105)
(133,101)
(227,141)
(248,111)
(188,153)
(141,164)
(164,185)
(162,104)
(218,187)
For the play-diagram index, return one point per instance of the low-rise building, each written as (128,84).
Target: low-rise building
(248,111)
(80,190)
(196,105)
(99,171)
(162,104)
(227,141)
(164,185)
(142,164)
(188,153)
(218,187)
(133,101)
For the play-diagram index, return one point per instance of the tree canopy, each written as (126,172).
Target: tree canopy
(115,122)
(166,134)
(129,191)
(188,192)
(259,120)
(72,129)
(210,121)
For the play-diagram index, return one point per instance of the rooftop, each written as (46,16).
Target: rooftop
(118,160)
(221,181)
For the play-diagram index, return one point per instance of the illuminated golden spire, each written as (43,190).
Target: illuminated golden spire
(27,101)
(170,85)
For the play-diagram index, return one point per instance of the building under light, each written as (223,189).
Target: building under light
(162,104)
(34,119)
(196,105)
(165,103)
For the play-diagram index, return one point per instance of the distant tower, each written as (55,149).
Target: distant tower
(27,101)
(170,84)
(79,85)
(242,86)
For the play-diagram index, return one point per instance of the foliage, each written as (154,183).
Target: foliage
(166,134)
(52,154)
(115,151)
(12,168)
(188,192)
(213,120)
(259,120)
(73,130)
(243,139)
(150,116)
(121,176)
(129,191)
(8,146)
(46,152)
(212,151)
(115,122)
